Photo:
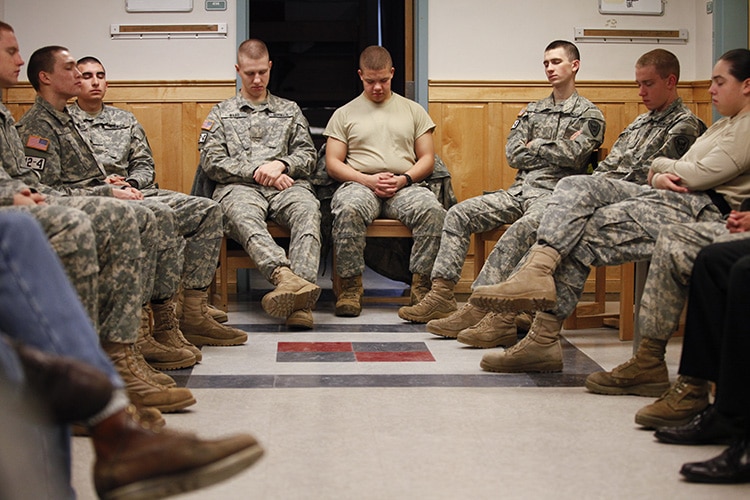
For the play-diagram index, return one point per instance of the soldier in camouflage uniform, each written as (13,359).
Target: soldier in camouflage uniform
(552,138)
(668,130)
(599,221)
(258,149)
(380,147)
(663,300)
(121,147)
(107,275)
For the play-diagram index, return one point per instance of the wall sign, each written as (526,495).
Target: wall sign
(158,5)
(638,7)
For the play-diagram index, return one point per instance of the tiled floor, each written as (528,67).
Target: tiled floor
(375,408)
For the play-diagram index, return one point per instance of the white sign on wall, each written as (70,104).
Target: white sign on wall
(158,5)
(641,7)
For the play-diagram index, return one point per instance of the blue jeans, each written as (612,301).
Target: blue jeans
(38,305)
(35,462)
(40,308)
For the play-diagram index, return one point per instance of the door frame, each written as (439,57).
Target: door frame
(415,61)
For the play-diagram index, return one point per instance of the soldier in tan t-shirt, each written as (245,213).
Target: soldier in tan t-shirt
(380,148)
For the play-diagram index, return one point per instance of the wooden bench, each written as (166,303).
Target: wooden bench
(587,314)
(380,228)
(232,256)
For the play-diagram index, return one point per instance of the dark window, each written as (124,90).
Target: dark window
(315,47)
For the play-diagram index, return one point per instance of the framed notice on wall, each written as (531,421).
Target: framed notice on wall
(638,7)
(158,5)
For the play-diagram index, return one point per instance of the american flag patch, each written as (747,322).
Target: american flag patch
(207,125)
(36,142)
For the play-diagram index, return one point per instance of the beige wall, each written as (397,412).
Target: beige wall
(468,40)
(504,40)
(83,26)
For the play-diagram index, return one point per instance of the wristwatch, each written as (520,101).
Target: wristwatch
(409,181)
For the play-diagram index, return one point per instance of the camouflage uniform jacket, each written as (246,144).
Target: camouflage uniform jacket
(119,143)
(668,133)
(11,152)
(56,153)
(238,137)
(560,138)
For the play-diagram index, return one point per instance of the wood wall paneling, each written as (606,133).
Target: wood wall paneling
(473,120)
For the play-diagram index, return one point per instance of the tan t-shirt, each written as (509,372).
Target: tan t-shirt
(380,136)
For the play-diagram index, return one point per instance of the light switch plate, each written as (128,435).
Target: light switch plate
(216,4)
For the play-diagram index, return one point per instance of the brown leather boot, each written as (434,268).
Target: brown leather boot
(167,328)
(199,328)
(493,330)
(150,418)
(70,389)
(452,325)
(349,302)
(292,293)
(531,288)
(133,461)
(645,374)
(158,355)
(539,351)
(438,303)
(141,388)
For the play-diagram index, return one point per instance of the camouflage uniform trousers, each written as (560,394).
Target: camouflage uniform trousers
(619,233)
(246,210)
(476,215)
(355,206)
(107,277)
(199,223)
(666,288)
(162,247)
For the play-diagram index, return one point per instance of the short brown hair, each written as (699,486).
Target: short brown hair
(664,61)
(375,57)
(252,49)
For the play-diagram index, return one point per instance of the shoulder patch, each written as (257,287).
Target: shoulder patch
(594,127)
(207,124)
(38,143)
(203,137)
(681,144)
(518,118)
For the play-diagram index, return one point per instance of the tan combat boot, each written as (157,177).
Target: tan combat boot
(142,389)
(539,351)
(217,314)
(167,328)
(349,302)
(684,400)
(523,321)
(493,330)
(199,328)
(645,374)
(531,288)
(302,319)
(291,294)
(158,355)
(420,287)
(438,303)
(462,319)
